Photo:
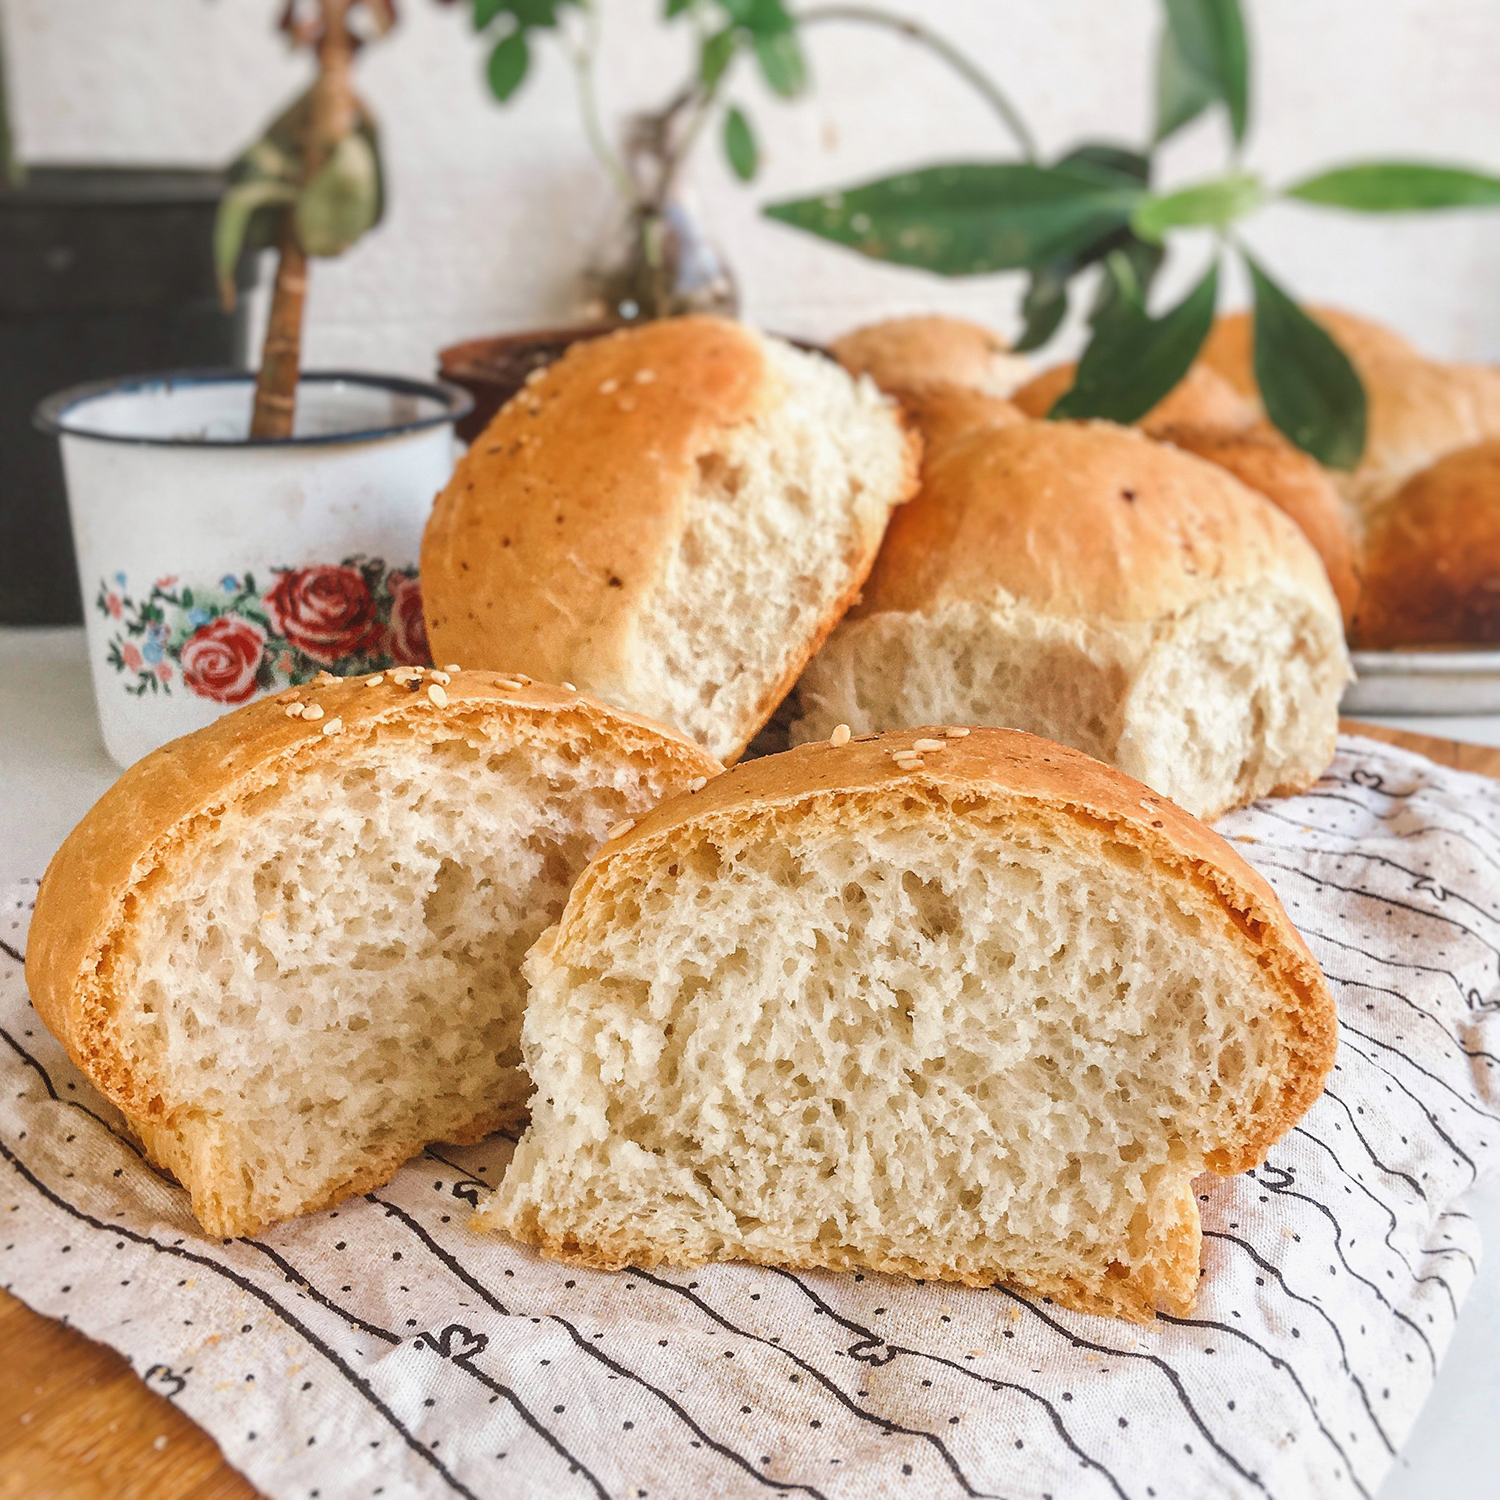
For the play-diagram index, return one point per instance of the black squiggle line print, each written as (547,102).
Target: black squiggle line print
(686,1418)
(871,1417)
(1277,1363)
(468,1188)
(36,1065)
(499,1388)
(297,1279)
(10,952)
(1438,829)
(1338,1333)
(246,1285)
(453,1265)
(1411,1062)
(1406,1177)
(1379,1202)
(1338,1245)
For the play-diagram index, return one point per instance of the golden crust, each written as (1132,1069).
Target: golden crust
(1082,520)
(140,827)
(547,542)
(1202,398)
(942,413)
(990,774)
(907,355)
(1432,557)
(1297,483)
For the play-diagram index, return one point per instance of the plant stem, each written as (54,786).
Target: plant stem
(332,116)
(915,31)
(581,51)
(12,173)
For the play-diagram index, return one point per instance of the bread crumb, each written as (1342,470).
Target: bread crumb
(620,829)
(957,734)
(334,726)
(313,711)
(840,735)
(290,696)
(923,746)
(438,694)
(327,678)
(294,710)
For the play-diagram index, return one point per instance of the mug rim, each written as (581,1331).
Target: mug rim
(52,412)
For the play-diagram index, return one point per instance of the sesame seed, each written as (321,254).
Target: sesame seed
(522,678)
(436,692)
(327,677)
(441,677)
(568,687)
(840,735)
(644,377)
(294,710)
(536,375)
(909,760)
(697,783)
(453,666)
(922,746)
(334,726)
(313,711)
(509,684)
(621,828)
(957,734)
(627,403)
(608,387)
(374,681)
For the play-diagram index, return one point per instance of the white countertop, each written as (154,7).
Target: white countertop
(53,766)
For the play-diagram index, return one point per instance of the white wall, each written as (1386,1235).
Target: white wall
(494,210)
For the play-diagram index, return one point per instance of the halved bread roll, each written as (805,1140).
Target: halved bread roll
(1079,581)
(673,517)
(958,1004)
(288,946)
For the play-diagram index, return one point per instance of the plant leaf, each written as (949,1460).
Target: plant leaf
(234,225)
(1120,160)
(1310,389)
(739,144)
(1133,359)
(1045,304)
(508,64)
(530,13)
(779,54)
(1182,92)
(967,219)
(1217,203)
(675,8)
(1140,259)
(342,199)
(485,12)
(715,57)
(1395,187)
(1210,37)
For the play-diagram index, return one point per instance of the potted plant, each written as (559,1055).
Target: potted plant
(1096,205)
(101,268)
(238,532)
(659,262)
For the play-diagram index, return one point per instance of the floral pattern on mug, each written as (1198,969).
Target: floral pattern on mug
(230,640)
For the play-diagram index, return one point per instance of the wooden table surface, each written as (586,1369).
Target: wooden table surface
(76,1423)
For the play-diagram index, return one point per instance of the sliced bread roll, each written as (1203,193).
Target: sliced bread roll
(972,1007)
(288,946)
(1079,581)
(673,517)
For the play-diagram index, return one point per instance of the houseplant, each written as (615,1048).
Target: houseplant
(660,262)
(239,532)
(1095,206)
(101,268)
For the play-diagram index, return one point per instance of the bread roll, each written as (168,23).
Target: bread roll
(672,517)
(944,412)
(1432,557)
(907,355)
(979,1013)
(1082,582)
(288,946)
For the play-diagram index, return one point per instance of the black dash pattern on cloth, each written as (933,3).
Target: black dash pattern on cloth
(382,1349)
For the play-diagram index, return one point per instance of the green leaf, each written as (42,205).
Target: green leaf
(1215,203)
(1133,359)
(1395,187)
(779,54)
(1310,389)
(1120,160)
(530,13)
(508,64)
(1210,36)
(717,52)
(739,144)
(675,8)
(1045,304)
(968,219)
(485,12)
(1141,260)
(1182,92)
(342,199)
(235,226)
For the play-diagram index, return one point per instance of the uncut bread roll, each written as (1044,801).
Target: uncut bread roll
(980,1011)
(288,946)
(1079,581)
(1202,398)
(907,355)
(673,517)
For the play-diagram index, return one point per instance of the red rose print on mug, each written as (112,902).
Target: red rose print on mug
(327,612)
(221,659)
(408,643)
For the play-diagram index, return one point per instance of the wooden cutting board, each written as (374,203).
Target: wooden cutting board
(76,1423)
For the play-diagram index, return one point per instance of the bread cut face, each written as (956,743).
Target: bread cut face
(293,958)
(980,1016)
(673,517)
(1080,582)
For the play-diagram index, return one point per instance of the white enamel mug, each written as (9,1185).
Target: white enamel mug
(216,568)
